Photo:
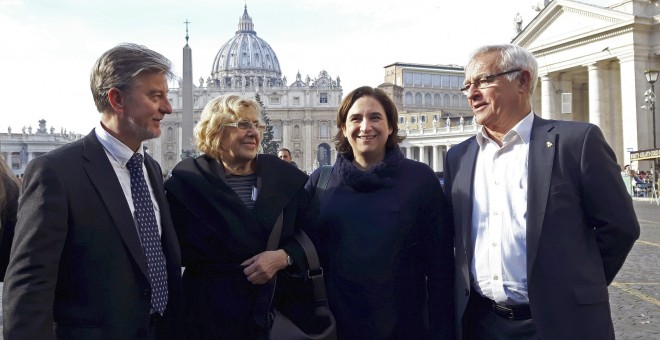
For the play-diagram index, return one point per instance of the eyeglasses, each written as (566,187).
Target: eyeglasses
(486,81)
(247,125)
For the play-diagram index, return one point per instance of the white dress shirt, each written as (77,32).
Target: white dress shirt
(499,215)
(119,154)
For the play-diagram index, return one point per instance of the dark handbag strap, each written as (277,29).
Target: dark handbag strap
(321,187)
(315,272)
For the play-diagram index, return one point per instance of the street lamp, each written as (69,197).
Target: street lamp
(649,98)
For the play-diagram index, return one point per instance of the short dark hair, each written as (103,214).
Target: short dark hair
(285,149)
(119,66)
(341,142)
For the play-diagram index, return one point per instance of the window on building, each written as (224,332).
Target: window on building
(426,79)
(323,98)
(170,134)
(446,100)
(15,160)
(407,78)
(428,101)
(423,118)
(436,100)
(277,130)
(454,82)
(413,119)
(454,100)
(445,81)
(274,100)
(296,131)
(417,79)
(402,120)
(418,99)
(324,130)
(296,100)
(436,80)
(409,99)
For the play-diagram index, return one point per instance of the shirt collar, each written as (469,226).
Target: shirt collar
(118,150)
(522,129)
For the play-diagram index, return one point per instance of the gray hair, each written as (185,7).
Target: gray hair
(511,57)
(119,66)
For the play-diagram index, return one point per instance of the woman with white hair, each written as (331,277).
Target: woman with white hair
(224,205)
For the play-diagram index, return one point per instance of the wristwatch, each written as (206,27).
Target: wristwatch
(289,259)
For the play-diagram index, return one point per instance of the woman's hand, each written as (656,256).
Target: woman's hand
(263,266)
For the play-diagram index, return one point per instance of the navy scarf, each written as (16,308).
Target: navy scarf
(373,179)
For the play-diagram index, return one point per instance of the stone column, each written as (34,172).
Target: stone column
(309,152)
(443,153)
(286,134)
(635,121)
(596,96)
(422,155)
(409,152)
(548,103)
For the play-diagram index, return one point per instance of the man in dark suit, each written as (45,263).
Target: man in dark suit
(542,218)
(95,254)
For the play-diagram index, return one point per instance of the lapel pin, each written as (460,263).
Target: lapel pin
(548,144)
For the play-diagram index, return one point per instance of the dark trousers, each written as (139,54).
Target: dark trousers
(480,322)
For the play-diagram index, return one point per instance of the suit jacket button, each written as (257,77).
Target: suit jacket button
(467,292)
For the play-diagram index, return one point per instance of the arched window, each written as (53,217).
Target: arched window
(446,101)
(454,100)
(427,100)
(170,134)
(409,98)
(436,100)
(418,99)
(296,131)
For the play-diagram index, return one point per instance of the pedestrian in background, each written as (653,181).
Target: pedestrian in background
(543,221)
(95,254)
(383,230)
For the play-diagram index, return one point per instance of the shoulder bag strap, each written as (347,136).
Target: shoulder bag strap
(321,187)
(315,272)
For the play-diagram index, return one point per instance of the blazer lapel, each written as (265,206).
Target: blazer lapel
(542,149)
(464,179)
(104,178)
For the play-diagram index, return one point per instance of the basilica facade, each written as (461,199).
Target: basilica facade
(302,111)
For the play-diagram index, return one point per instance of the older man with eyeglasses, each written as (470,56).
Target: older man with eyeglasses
(542,219)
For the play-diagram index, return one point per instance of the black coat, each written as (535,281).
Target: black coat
(385,242)
(77,269)
(217,232)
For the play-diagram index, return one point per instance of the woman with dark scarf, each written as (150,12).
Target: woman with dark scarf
(383,231)
(224,205)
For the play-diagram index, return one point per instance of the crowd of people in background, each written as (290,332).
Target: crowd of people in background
(516,238)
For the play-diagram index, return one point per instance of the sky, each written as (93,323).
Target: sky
(48,47)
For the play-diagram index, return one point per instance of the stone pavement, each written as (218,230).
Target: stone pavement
(635,293)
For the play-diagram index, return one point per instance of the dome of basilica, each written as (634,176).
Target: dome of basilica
(246,59)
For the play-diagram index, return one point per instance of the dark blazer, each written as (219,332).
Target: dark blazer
(217,232)
(580,227)
(77,269)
